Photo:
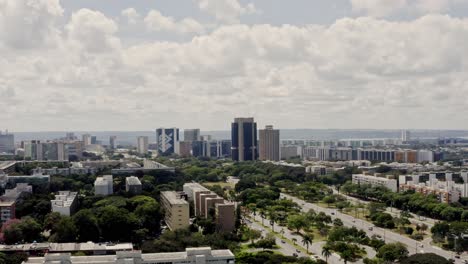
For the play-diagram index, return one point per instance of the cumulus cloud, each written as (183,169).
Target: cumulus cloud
(227,11)
(355,72)
(29,23)
(155,21)
(383,8)
(131,15)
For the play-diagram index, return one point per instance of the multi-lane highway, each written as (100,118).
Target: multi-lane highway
(389,236)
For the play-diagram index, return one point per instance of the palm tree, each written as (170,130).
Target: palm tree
(307,241)
(262,215)
(346,256)
(326,252)
(282,233)
(294,240)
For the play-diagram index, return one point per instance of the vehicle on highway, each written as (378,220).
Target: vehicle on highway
(298,251)
(457,256)
(295,255)
(354,221)
(371,228)
(333,213)
(282,241)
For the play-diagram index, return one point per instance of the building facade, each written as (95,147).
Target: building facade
(7,143)
(269,144)
(244,139)
(104,185)
(176,210)
(167,140)
(142,145)
(391,184)
(133,185)
(191,134)
(65,203)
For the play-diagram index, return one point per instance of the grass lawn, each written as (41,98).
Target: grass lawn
(222,184)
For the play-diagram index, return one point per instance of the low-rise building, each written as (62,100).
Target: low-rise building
(65,203)
(391,184)
(133,185)
(202,255)
(7,209)
(104,185)
(176,209)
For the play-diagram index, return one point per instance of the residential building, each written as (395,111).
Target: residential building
(7,143)
(7,209)
(269,144)
(7,167)
(202,255)
(37,150)
(112,142)
(244,139)
(89,248)
(168,141)
(104,185)
(225,217)
(142,145)
(191,135)
(133,185)
(176,209)
(65,203)
(391,184)
(405,136)
(288,152)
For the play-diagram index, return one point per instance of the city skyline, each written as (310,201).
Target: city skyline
(87,65)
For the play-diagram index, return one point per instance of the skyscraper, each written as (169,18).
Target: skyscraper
(142,145)
(93,140)
(112,140)
(244,139)
(167,140)
(7,143)
(405,136)
(191,134)
(269,144)
(86,139)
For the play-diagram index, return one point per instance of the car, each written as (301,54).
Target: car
(371,228)
(457,256)
(378,236)
(295,255)
(298,251)
(354,220)
(282,241)
(333,213)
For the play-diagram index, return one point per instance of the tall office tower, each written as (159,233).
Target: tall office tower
(93,140)
(191,134)
(142,145)
(405,135)
(167,140)
(53,151)
(269,144)
(244,139)
(32,149)
(86,139)
(7,142)
(185,148)
(70,136)
(112,140)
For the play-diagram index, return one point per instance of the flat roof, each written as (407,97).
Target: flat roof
(6,164)
(68,247)
(173,197)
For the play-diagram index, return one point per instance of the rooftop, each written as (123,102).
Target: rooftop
(133,180)
(173,197)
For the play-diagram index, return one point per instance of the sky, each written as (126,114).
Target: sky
(121,65)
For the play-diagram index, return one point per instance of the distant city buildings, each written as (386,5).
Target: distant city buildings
(176,209)
(112,142)
(142,145)
(269,144)
(65,203)
(86,138)
(104,185)
(133,185)
(9,199)
(288,152)
(191,135)
(384,181)
(167,140)
(37,150)
(244,139)
(405,136)
(7,143)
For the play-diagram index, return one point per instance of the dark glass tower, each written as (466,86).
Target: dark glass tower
(244,139)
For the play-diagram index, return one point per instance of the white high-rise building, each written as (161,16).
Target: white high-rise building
(405,135)
(142,144)
(269,144)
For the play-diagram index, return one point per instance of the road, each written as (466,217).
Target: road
(430,222)
(389,236)
(315,248)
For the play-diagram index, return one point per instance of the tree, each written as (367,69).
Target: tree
(87,226)
(329,200)
(393,252)
(30,229)
(294,240)
(296,222)
(64,231)
(326,252)
(307,240)
(425,258)
(346,255)
(262,215)
(253,234)
(337,222)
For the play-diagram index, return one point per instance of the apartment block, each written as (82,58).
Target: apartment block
(104,185)
(391,184)
(65,203)
(176,209)
(225,217)
(133,185)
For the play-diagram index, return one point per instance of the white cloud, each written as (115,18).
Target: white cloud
(131,15)
(155,21)
(383,8)
(361,72)
(227,11)
(29,23)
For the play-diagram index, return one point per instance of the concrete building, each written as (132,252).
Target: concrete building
(405,136)
(7,143)
(112,142)
(269,144)
(86,138)
(65,203)
(244,139)
(203,204)
(7,166)
(191,135)
(133,185)
(288,152)
(176,210)
(391,184)
(185,148)
(225,217)
(7,209)
(167,140)
(142,145)
(203,255)
(104,185)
